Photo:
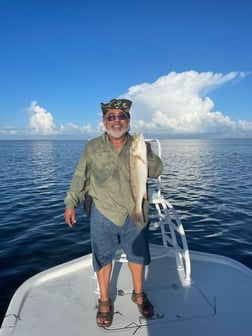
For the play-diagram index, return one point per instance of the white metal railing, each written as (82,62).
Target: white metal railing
(173,235)
(166,218)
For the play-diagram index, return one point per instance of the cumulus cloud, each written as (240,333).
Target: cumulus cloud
(41,120)
(177,104)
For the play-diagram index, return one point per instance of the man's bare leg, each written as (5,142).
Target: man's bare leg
(137,271)
(138,296)
(103,276)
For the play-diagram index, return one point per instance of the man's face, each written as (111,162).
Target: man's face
(116,123)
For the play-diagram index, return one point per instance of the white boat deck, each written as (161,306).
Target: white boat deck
(61,301)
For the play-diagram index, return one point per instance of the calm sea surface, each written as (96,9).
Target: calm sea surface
(209,182)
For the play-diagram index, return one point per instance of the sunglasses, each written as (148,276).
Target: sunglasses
(113,117)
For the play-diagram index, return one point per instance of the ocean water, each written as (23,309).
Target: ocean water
(209,182)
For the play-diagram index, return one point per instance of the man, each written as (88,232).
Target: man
(103,172)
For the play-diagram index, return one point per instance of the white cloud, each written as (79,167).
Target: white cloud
(71,128)
(41,120)
(177,104)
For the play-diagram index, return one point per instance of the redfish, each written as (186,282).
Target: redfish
(138,176)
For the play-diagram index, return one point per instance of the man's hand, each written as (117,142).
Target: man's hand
(70,216)
(148,146)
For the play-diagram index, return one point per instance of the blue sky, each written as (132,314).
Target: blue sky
(186,64)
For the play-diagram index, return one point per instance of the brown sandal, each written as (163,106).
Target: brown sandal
(106,317)
(145,308)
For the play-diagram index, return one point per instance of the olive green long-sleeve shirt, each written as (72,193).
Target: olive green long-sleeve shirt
(104,173)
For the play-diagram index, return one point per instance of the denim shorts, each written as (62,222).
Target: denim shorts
(106,237)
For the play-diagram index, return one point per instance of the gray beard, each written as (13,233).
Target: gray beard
(116,134)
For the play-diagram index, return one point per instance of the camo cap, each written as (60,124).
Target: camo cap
(120,104)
